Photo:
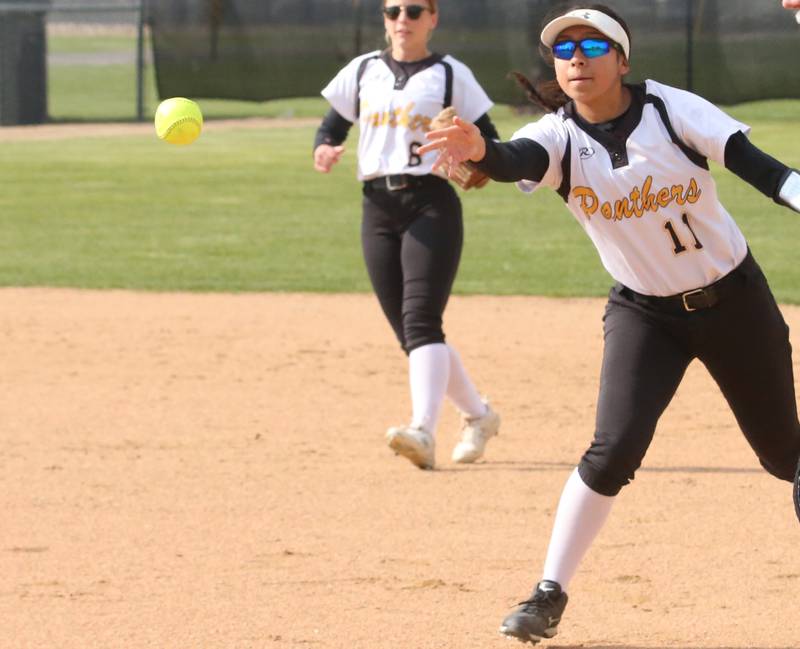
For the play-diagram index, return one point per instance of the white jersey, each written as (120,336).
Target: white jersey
(394,111)
(648,202)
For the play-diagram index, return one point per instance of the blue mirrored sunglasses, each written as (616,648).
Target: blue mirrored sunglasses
(591,48)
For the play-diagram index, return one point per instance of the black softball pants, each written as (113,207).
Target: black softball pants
(744,343)
(412,239)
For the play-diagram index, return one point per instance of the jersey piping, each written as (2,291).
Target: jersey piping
(614,142)
(361,69)
(694,156)
(402,75)
(565,186)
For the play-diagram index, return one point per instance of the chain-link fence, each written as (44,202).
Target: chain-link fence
(107,60)
(73,60)
(99,60)
(727,50)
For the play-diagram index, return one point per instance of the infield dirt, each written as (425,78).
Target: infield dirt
(209,471)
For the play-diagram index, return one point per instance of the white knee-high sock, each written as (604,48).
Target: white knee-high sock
(580,516)
(428,374)
(461,389)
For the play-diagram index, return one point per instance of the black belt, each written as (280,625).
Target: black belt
(699,298)
(396,182)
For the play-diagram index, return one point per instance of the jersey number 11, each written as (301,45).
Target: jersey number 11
(679,247)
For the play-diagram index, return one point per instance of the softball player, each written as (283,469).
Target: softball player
(630,161)
(412,226)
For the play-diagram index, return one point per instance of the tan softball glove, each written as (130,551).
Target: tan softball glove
(466,174)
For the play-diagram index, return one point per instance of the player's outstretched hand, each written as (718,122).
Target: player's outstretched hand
(325,156)
(791,4)
(458,143)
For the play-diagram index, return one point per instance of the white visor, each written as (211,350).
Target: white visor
(591,18)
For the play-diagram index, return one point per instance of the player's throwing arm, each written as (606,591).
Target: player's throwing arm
(458,143)
(631,163)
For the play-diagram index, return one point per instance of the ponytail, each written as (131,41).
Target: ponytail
(545,94)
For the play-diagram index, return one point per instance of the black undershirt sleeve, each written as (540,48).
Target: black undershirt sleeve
(486,127)
(752,165)
(508,162)
(333,130)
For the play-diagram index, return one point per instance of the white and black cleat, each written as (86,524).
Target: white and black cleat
(537,618)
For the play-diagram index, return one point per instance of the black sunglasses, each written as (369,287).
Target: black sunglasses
(413,12)
(591,48)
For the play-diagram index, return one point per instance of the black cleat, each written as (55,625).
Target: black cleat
(537,617)
(796,492)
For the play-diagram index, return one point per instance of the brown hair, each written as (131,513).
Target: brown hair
(547,93)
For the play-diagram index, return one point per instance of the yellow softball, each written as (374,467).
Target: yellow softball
(178,120)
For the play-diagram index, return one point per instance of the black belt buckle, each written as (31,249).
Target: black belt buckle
(707,301)
(397,182)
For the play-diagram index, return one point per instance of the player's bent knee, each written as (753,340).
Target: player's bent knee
(421,334)
(605,480)
(414,343)
(609,463)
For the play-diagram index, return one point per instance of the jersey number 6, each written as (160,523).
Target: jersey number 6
(679,247)
(414,158)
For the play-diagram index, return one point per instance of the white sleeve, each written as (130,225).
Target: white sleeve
(790,191)
(342,91)
(469,98)
(697,122)
(550,133)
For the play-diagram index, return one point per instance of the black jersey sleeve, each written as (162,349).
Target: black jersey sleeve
(486,127)
(508,162)
(752,165)
(333,130)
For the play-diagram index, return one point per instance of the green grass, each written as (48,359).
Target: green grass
(83,44)
(242,210)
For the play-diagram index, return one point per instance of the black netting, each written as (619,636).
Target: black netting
(726,50)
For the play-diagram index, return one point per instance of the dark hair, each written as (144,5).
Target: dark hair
(547,93)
